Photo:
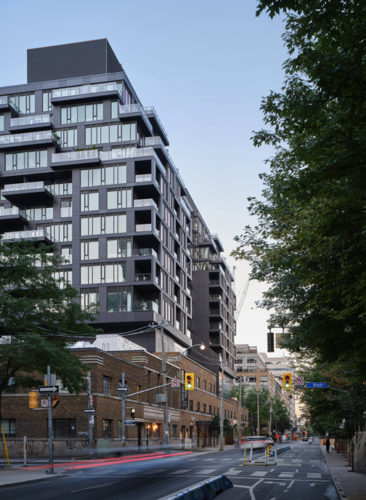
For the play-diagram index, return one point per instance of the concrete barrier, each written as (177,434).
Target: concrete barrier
(283,449)
(206,490)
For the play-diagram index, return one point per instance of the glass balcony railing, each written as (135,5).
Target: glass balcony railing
(147,202)
(30,120)
(150,111)
(142,277)
(116,154)
(4,212)
(146,306)
(143,178)
(145,252)
(27,235)
(143,227)
(87,90)
(75,156)
(24,186)
(154,142)
(29,137)
(8,101)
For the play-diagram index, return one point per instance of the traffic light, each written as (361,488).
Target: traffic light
(133,413)
(287,381)
(33,399)
(270,341)
(189,381)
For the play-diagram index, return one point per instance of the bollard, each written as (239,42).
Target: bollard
(245,455)
(251,454)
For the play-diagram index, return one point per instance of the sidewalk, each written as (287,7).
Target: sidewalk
(18,475)
(350,485)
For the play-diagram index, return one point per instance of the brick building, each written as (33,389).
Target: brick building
(190,412)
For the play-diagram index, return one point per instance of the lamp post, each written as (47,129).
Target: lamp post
(221,439)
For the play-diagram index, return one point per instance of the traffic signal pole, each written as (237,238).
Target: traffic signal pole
(123,412)
(90,425)
(165,390)
(50,429)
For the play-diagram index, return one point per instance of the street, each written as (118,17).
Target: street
(300,474)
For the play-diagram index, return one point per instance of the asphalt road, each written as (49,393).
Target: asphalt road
(300,474)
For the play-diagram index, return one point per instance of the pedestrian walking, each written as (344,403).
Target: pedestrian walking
(327,444)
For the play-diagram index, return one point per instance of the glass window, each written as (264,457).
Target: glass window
(25,103)
(64,427)
(88,297)
(9,426)
(26,159)
(115,174)
(2,123)
(114,109)
(119,247)
(68,137)
(66,254)
(89,250)
(46,101)
(104,273)
(119,300)
(60,188)
(89,201)
(119,198)
(42,213)
(106,386)
(107,428)
(59,232)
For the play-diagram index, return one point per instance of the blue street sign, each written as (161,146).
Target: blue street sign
(317,385)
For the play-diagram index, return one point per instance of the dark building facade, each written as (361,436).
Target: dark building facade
(84,167)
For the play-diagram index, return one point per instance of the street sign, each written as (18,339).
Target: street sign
(92,411)
(130,422)
(317,385)
(299,381)
(44,403)
(123,389)
(91,419)
(48,389)
(175,383)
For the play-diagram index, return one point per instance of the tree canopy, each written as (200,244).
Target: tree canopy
(309,242)
(39,319)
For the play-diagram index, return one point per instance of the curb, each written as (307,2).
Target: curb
(28,481)
(335,481)
(207,489)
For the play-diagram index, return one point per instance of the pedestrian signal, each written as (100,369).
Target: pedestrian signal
(189,381)
(33,399)
(287,381)
(55,401)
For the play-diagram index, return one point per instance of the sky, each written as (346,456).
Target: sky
(204,65)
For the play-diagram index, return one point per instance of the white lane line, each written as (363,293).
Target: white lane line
(104,485)
(289,486)
(233,472)
(209,459)
(312,485)
(287,474)
(181,471)
(314,475)
(205,471)
(259,473)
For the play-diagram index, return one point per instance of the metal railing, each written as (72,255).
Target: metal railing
(30,120)
(89,154)
(146,306)
(29,137)
(87,89)
(150,110)
(142,277)
(12,211)
(145,252)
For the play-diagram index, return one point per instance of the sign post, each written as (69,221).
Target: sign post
(50,429)
(123,390)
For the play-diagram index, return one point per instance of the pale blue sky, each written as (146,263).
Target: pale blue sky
(204,65)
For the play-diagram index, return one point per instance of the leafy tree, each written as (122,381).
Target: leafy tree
(39,319)
(309,243)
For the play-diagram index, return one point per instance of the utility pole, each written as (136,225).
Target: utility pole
(123,411)
(239,409)
(258,425)
(50,429)
(270,419)
(221,439)
(90,417)
(165,389)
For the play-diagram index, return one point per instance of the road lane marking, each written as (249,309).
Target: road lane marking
(233,472)
(205,471)
(104,485)
(289,486)
(287,474)
(259,473)
(181,471)
(314,475)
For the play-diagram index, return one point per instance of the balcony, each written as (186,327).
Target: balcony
(143,228)
(144,178)
(83,92)
(129,112)
(29,139)
(33,122)
(12,219)
(145,252)
(147,202)
(27,194)
(38,236)
(75,159)
(7,104)
(159,147)
(143,277)
(156,123)
(146,306)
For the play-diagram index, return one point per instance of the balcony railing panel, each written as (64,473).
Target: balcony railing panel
(87,89)
(5,212)
(146,306)
(27,235)
(30,120)
(29,137)
(24,186)
(75,156)
(143,227)
(147,202)
(142,277)
(145,252)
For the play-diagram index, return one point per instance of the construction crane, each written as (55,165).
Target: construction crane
(241,297)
